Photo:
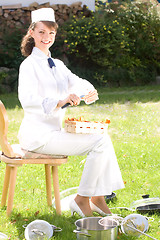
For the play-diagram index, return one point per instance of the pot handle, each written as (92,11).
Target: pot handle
(82,233)
(56,229)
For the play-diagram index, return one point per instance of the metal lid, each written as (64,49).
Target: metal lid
(38,229)
(144,202)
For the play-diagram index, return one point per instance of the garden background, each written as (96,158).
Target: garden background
(117,45)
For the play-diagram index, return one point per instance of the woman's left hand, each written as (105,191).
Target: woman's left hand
(91,97)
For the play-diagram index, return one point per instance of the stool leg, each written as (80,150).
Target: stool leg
(56,189)
(11,189)
(48,184)
(5,186)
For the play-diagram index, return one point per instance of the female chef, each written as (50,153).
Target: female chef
(45,86)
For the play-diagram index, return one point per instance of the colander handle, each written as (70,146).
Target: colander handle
(141,232)
(82,233)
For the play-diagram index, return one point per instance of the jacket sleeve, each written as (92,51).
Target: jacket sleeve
(77,85)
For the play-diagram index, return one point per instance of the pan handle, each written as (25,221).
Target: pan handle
(82,233)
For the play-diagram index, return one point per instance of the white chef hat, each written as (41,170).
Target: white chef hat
(43,14)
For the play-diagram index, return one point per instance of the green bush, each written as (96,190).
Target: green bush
(124,40)
(10,59)
(11,56)
(101,40)
(8,80)
(3,75)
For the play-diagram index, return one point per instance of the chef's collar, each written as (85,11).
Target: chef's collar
(38,53)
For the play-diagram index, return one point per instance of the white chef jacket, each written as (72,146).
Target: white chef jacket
(40,89)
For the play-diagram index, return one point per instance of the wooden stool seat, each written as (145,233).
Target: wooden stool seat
(16,158)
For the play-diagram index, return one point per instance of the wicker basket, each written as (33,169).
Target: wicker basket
(85,127)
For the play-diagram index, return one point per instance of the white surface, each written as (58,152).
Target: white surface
(66,197)
(26,3)
(65,202)
(3,236)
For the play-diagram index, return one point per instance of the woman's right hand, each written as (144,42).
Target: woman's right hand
(72,99)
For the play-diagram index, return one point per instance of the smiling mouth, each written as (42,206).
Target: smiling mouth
(45,42)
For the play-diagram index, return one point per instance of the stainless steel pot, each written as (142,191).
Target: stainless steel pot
(89,228)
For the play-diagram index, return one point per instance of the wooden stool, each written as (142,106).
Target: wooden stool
(13,160)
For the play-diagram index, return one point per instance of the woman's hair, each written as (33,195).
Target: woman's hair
(28,43)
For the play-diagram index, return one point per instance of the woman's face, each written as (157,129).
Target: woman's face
(44,37)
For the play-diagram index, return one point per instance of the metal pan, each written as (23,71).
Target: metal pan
(149,208)
(147,205)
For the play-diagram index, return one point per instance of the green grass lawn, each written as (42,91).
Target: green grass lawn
(135,133)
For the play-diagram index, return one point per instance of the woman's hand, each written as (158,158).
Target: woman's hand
(91,97)
(72,99)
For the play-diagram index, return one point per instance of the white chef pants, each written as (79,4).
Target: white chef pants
(101,174)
